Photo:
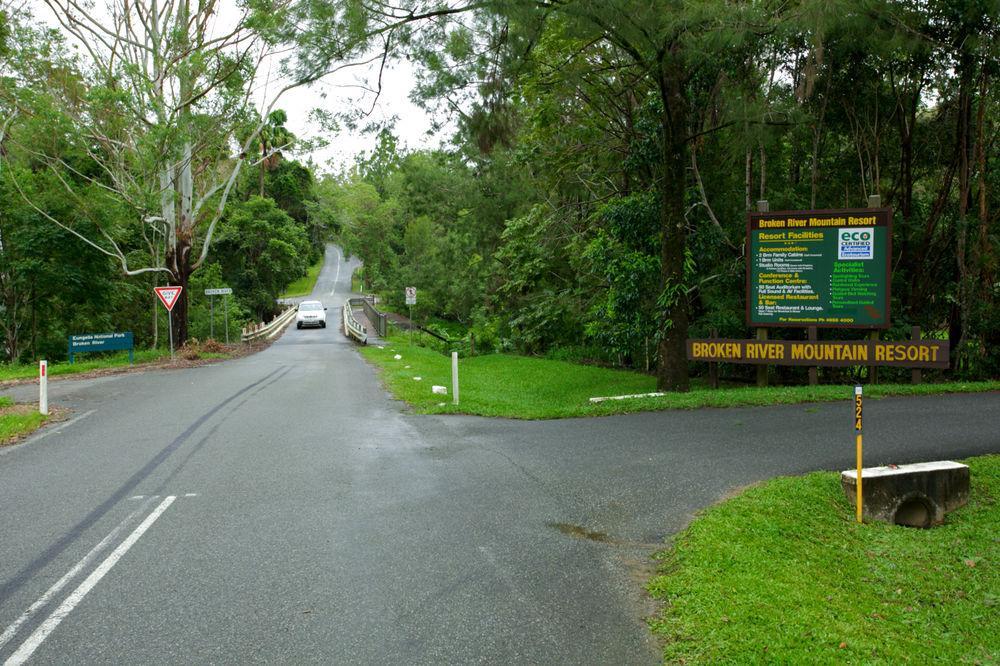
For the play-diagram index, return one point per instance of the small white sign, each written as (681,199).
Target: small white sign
(854,244)
(224,291)
(411,295)
(857,390)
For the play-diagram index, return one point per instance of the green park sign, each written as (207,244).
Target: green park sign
(101,342)
(823,268)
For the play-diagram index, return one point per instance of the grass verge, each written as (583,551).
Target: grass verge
(14,371)
(783,574)
(535,388)
(304,285)
(17,371)
(18,420)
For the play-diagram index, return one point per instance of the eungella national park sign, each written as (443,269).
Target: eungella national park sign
(824,268)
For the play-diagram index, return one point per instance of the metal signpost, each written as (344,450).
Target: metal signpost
(94,342)
(857,445)
(168,296)
(411,300)
(212,293)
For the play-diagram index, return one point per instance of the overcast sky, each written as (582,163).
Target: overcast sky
(336,93)
(341,93)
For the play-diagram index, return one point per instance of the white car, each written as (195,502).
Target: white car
(311,313)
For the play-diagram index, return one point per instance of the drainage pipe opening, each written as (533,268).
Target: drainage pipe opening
(914,512)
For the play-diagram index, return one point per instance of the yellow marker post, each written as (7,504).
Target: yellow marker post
(857,429)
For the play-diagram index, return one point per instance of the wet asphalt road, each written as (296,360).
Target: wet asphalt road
(314,521)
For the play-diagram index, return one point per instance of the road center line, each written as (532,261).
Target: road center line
(336,279)
(66,607)
(15,626)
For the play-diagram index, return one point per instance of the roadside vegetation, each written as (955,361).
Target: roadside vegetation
(783,574)
(18,420)
(193,351)
(507,385)
(305,284)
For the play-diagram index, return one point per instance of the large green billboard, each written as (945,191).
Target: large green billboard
(824,268)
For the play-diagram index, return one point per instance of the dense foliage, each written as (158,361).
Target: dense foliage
(53,283)
(591,204)
(548,232)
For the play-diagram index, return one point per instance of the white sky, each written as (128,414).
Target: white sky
(336,93)
(411,122)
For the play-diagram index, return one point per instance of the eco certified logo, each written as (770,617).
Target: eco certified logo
(853,244)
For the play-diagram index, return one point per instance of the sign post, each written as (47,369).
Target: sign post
(411,300)
(857,446)
(43,387)
(212,293)
(168,296)
(454,377)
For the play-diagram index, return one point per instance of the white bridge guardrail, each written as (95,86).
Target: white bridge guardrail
(255,332)
(352,328)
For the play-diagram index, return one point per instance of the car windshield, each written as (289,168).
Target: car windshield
(310,306)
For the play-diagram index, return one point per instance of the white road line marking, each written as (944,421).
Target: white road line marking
(55,428)
(10,631)
(190,494)
(337,278)
(66,607)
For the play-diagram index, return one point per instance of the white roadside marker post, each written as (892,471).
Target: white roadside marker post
(43,387)
(454,377)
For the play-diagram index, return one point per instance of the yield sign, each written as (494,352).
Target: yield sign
(168,296)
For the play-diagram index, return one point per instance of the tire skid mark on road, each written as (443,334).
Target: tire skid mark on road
(8,588)
(208,435)
(42,632)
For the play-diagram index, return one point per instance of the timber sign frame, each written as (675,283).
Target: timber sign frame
(822,268)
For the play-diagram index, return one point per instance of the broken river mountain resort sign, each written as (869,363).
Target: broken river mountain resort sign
(914,354)
(824,268)
(820,269)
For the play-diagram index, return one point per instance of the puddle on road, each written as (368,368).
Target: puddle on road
(578,532)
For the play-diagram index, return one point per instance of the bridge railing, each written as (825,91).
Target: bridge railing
(377,319)
(352,327)
(258,332)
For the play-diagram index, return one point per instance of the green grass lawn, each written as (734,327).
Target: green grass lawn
(536,388)
(86,363)
(17,421)
(304,285)
(783,574)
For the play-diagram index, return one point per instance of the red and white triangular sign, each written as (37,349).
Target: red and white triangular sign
(168,296)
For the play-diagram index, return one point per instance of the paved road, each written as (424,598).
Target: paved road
(314,521)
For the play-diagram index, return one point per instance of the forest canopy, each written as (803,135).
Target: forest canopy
(591,203)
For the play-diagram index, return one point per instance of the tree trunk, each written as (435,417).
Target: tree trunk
(964,187)
(672,372)
(263,155)
(817,144)
(907,122)
(981,249)
(748,180)
(180,257)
